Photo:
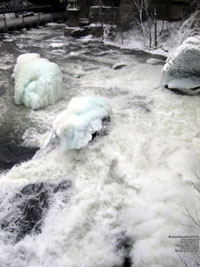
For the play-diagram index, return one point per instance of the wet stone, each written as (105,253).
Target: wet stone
(80,32)
(28,208)
(12,154)
(104,130)
(125,245)
(119,66)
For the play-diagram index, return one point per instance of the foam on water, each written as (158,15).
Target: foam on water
(131,188)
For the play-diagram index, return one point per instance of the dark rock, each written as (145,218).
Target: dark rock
(97,30)
(104,130)
(12,154)
(28,208)
(124,245)
(68,31)
(119,66)
(63,186)
(155,61)
(80,32)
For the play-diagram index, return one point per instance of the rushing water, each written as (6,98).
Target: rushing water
(115,202)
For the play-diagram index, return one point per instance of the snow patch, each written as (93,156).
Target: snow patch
(169,36)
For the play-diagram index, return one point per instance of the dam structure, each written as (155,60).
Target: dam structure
(18,14)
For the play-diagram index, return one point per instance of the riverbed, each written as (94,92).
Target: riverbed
(115,202)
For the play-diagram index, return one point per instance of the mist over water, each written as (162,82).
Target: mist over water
(129,190)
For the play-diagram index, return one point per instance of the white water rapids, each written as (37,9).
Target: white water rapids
(132,188)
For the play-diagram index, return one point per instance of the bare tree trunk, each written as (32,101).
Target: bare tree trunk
(139,4)
(155,29)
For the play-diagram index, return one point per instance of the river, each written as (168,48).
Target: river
(115,202)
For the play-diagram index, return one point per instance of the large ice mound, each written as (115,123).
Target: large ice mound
(182,69)
(83,117)
(38,82)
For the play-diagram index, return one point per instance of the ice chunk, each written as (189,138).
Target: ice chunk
(80,120)
(38,82)
(182,70)
(22,60)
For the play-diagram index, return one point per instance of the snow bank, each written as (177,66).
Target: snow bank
(169,35)
(82,118)
(182,69)
(135,39)
(38,82)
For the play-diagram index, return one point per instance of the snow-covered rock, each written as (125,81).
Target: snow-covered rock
(83,117)
(38,82)
(119,66)
(182,69)
(155,61)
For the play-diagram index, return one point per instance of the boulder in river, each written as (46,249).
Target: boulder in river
(119,66)
(155,61)
(181,72)
(80,32)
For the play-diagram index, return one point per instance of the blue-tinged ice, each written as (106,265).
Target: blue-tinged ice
(82,118)
(38,82)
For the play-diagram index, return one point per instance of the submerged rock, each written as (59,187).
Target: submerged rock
(77,32)
(119,66)
(155,61)
(80,32)
(124,246)
(28,208)
(104,130)
(181,72)
(12,154)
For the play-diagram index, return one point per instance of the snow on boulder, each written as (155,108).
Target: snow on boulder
(182,69)
(155,61)
(119,66)
(83,117)
(38,82)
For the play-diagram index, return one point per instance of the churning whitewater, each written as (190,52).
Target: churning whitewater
(116,201)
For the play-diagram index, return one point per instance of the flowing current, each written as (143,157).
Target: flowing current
(115,202)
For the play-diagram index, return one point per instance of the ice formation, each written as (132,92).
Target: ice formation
(38,82)
(182,70)
(80,120)
(22,60)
